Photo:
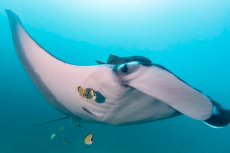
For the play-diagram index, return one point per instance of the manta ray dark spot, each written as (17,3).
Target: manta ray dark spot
(100,98)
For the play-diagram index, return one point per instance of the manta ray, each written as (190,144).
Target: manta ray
(124,91)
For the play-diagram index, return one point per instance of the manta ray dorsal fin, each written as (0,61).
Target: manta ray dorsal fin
(99,62)
(111,58)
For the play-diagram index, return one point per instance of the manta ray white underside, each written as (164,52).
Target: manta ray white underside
(134,92)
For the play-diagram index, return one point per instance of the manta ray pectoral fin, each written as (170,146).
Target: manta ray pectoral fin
(55,79)
(45,71)
(161,84)
(220,116)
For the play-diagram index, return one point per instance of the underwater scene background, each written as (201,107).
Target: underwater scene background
(190,38)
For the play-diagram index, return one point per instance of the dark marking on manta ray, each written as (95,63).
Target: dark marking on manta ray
(87,111)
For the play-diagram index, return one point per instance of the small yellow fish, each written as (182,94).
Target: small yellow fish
(81,91)
(61,129)
(78,125)
(91,96)
(65,141)
(53,136)
(88,139)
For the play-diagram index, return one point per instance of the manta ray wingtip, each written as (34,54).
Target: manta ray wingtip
(220,116)
(7,10)
(13,18)
(10,12)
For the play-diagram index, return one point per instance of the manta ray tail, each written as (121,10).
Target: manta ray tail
(51,121)
(220,116)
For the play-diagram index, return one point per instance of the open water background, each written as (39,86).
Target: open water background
(191,38)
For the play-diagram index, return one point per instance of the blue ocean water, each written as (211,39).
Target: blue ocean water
(190,38)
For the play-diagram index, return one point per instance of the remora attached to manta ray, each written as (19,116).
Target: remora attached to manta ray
(133,90)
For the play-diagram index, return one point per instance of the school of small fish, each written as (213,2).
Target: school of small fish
(90,95)
(87,140)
